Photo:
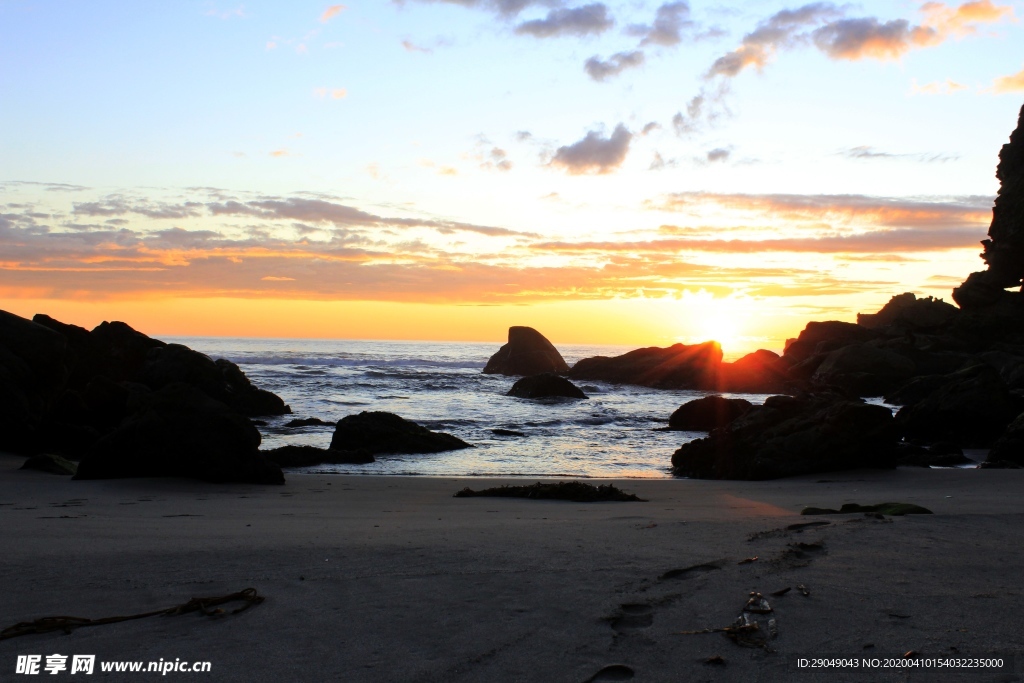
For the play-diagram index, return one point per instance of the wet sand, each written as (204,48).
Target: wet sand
(393,579)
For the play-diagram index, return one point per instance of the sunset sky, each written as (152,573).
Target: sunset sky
(609,172)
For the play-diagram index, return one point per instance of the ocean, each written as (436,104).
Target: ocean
(440,385)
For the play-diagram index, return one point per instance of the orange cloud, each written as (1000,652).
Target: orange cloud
(331,12)
(960,20)
(854,38)
(883,211)
(1012,83)
(946,87)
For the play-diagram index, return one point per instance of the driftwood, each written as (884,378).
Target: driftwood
(202,605)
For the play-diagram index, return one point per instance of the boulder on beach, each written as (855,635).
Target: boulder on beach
(51,464)
(970,408)
(33,371)
(864,369)
(679,366)
(380,432)
(1009,447)
(306,456)
(220,379)
(708,413)
(789,436)
(63,387)
(179,431)
(545,385)
(528,352)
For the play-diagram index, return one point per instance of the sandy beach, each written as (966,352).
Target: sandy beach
(393,579)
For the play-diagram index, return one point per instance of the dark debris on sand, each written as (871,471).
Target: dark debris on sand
(575,491)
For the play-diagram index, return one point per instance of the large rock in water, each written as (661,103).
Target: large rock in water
(708,413)
(179,431)
(527,352)
(677,367)
(545,385)
(1004,250)
(379,432)
(788,436)
(970,408)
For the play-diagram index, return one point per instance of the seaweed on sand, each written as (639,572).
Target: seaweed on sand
(575,491)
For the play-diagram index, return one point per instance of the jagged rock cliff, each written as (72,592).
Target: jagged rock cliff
(1004,250)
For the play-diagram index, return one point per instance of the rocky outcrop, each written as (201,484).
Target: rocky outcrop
(33,372)
(1009,447)
(676,367)
(819,338)
(969,408)
(708,413)
(759,372)
(179,431)
(864,369)
(307,456)
(905,312)
(379,432)
(545,385)
(63,388)
(51,464)
(788,436)
(528,352)
(220,379)
(1004,249)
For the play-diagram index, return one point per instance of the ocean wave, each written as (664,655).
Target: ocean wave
(304,362)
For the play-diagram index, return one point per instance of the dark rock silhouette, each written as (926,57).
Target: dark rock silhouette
(307,422)
(906,312)
(544,385)
(819,338)
(220,379)
(527,352)
(51,464)
(1004,249)
(70,391)
(379,432)
(179,431)
(33,371)
(865,369)
(1009,447)
(708,413)
(941,454)
(970,408)
(788,436)
(757,372)
(306,456)
(677,367)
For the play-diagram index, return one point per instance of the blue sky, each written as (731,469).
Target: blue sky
(698,134)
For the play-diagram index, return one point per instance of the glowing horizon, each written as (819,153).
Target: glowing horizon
(613,173)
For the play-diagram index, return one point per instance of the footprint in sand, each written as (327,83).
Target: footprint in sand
(632,617)
(613,672)
(695,570)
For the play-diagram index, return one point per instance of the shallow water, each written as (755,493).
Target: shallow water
(440,385)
